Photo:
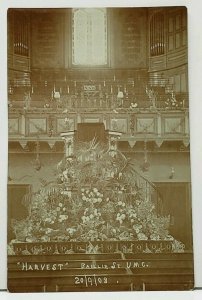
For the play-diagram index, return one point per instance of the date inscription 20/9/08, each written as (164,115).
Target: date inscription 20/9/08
(92,280)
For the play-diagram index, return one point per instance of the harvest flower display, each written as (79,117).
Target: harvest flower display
(96,197)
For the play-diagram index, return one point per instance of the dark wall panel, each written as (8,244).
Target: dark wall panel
(129,37)
(48,40)
(177,203)
(16,209)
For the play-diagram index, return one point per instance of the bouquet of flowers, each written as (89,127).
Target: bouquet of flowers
(95,197)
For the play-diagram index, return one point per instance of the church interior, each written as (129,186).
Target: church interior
(95,72)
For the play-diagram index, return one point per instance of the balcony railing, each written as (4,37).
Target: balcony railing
(135,124)
(107,95)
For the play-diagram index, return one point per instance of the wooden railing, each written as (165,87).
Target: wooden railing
(135,124)
(150,191)
(98,100)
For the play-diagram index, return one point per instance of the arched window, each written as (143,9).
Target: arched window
(157,43)
(89,36)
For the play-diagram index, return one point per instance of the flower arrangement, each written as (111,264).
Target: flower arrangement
(172,103)
(93,200)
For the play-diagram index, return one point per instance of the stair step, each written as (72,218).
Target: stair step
(100,272)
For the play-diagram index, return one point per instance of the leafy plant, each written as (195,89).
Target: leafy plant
(96,196)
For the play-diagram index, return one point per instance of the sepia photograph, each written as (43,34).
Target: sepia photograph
(99,177)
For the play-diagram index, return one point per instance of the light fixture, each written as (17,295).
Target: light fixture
(120,98)
(120,95)
(172,173)
(37,162)
(145,166)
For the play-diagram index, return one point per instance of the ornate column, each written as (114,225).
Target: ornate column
(68,138)
(186,117)
(114,136)
(159,124)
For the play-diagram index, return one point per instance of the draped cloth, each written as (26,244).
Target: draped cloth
(88,131)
